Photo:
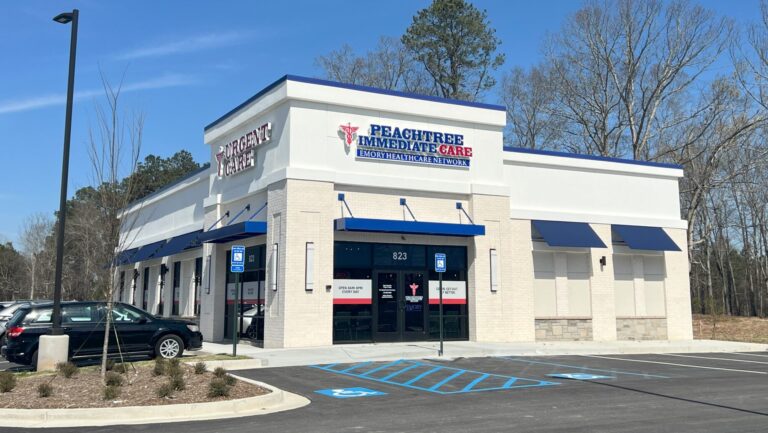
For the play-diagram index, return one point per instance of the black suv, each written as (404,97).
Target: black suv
(134,332)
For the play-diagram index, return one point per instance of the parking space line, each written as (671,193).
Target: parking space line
(472,384)
(676,365)
(409,368)
(382,367)
(447,379)
(749,354)
(423,375)
(712,357)
(406,365)
(585,368)
(356,366)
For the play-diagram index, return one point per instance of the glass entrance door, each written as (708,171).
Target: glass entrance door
(401,300)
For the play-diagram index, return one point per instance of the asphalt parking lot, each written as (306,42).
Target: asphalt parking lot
(708,392)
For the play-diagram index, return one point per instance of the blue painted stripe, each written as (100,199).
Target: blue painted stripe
(584,368)
(423,375)
(381,368)
(592,157)
(328,366)
(447,379)
(362,364)
(328,83)
(472,384)
(509,383)
(390,376)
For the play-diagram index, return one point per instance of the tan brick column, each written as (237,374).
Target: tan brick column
(677,288)
(601,287)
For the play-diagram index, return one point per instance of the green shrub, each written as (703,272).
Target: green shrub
(200,367)
(218,388)
(110,364)
(164,390)
(160,366)
(173,362)
(220,372)
(111,392)
(67,369)
(178,383)
(230,380)
(120,368)
(7,381)
(44,390)
(113,379)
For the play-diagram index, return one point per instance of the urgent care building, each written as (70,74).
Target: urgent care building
(342,195)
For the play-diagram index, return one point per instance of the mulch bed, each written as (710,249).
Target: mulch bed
(746,329)
(85,390)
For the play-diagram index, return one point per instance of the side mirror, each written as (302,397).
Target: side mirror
(142,320)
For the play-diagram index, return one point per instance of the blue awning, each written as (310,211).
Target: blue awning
(180,243)
(125,257)
(645,238)
(147,252)
(245,229)
(408,227)
(568,234)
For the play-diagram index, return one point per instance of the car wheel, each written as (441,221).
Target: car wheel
(33,360)
(169,346)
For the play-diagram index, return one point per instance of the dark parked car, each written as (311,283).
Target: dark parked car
(8,312)
(137,332)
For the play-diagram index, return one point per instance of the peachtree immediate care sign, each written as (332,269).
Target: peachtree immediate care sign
(409,145)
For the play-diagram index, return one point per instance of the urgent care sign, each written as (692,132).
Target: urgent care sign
(240,154)
(352,292)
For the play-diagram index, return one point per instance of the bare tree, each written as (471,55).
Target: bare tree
(625,67)
(530,100)
(114,148)
(389,66)
(35,235)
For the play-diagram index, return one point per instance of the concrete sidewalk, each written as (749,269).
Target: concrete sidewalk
(348,353)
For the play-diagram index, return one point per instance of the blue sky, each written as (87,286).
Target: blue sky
(188,62)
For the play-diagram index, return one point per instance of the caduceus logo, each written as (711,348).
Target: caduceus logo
(350,133)
(413,287)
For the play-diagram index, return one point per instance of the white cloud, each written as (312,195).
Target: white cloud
(192,44)
(35,102)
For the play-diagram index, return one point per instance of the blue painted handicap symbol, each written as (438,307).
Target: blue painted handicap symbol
(349,392)
(579,376)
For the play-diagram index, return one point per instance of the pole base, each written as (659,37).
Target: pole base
(52,350)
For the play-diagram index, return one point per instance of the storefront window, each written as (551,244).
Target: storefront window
(381,293)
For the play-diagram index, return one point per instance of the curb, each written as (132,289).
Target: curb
(276,401)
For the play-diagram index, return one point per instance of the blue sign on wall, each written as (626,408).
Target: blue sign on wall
(440,262)
(350,392)
(237,259)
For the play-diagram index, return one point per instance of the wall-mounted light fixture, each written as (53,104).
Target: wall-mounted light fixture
(309,267)
(494,270)
(208,287)
(603,261)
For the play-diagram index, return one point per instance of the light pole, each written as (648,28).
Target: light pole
(54,348)
(64,18)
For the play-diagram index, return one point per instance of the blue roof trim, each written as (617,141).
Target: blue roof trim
(245,229)
(180,243)
(408,227)
(645,238)
(369,89)
(168,186)
(124,257)
(147,252)
(568,234)
(592,157)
